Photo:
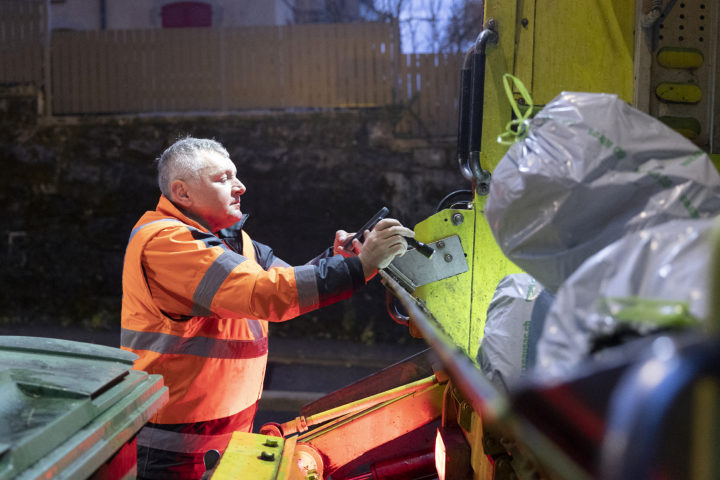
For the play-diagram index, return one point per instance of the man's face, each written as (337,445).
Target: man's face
(215,193)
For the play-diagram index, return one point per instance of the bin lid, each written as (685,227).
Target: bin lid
(51,390)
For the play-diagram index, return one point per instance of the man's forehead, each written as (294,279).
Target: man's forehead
(215,162)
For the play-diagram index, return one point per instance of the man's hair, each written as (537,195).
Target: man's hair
(181,160)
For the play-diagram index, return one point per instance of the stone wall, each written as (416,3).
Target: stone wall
(72,188)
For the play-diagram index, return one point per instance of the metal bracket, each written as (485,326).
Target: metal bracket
(413,269)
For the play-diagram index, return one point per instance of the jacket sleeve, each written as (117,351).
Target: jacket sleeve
(331,272)
(193,273)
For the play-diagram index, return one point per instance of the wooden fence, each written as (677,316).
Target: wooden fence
(429,85)
(23,41)
(230,69)
(190,69)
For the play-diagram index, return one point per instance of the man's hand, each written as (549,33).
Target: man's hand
(341,238)
(382,245)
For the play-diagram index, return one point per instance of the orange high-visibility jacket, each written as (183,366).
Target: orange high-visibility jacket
(196,311)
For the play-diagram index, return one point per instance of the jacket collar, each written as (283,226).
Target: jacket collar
(233,231)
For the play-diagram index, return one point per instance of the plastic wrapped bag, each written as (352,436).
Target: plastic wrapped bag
(512,329)
(591,170)
(654,279)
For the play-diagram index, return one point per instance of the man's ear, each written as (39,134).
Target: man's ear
(180,194)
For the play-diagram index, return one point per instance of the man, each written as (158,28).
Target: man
(198,294)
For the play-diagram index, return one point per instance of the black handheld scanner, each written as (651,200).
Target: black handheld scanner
(424,249)
(369,225)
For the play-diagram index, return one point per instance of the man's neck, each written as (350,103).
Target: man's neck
(196,218)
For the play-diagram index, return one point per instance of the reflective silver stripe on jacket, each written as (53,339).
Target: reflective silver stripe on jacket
(212,280)
(199,346)
(255,327)
(278,262)
(307,288)
(181,442)
(138,228)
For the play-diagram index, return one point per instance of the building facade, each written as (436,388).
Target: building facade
(147,14)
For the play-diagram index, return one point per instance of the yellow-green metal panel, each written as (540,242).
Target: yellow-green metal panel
(250,455)
(525,42)
(500,60)
(450,300)
(544,44)
(460,303)
(584,47)
(715,158)
(490,265)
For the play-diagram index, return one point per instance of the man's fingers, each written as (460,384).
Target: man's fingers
(386,223)
(394,230)
(389,223)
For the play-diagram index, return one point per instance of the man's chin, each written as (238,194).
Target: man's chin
(236,217)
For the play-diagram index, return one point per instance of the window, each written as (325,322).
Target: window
(186,14)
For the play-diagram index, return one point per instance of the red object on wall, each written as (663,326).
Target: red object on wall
(186,14)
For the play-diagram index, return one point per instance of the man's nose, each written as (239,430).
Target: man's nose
(239,187)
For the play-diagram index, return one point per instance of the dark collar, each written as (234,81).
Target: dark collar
(233,231)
